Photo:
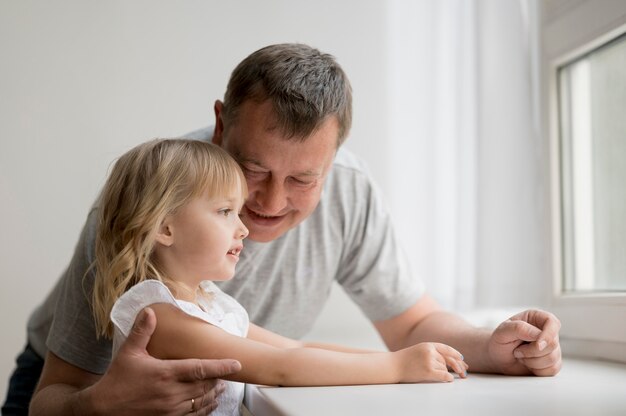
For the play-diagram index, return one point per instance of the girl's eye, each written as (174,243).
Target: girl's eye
(225,212)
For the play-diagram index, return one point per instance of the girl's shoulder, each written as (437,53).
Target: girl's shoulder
(134,300)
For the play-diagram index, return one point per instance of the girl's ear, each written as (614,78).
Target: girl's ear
(165,234)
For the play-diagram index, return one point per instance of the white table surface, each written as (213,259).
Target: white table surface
(583,387)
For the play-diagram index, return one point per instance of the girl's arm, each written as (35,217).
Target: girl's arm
(179,335)
(259,334)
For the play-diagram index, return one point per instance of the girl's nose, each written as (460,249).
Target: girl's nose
(243,230)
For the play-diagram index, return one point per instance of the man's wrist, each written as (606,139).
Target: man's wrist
(476,350)
(487,364)
(86,402)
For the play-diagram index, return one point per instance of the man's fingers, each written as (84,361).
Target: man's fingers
(547,322)
(528,339)
(142,330)
(549,371)
(545,361)
(549,329)
(208,402)
(548,365)
(197,370)
(535,317)
(539,348)
(204,395)
(511,331)
(548,339)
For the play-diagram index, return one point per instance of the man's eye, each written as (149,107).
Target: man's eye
(249,172)
(301,182)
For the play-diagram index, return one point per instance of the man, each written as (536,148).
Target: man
(314,218)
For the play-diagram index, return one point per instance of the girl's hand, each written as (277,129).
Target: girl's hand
(429,361)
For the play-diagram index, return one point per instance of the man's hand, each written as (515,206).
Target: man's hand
(140,384)
(135,383)
(527,343)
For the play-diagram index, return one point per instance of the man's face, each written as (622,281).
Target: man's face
(285,177)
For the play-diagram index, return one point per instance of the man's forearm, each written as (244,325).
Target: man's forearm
(448,328)
(64,389)
(61,399)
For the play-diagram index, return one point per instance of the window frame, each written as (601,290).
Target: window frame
(593,324)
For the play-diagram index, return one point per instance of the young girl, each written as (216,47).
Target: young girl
(168,226)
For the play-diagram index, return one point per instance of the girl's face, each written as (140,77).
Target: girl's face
(202,239)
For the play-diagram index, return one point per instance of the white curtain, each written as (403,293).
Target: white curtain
(467,188)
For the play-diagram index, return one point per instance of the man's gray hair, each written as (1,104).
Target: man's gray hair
(304,85)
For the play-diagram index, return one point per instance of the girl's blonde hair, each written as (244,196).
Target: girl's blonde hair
(146,184)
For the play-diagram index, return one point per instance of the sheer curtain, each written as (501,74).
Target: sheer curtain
(463,144)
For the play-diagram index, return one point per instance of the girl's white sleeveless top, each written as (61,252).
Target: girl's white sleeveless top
(217,309)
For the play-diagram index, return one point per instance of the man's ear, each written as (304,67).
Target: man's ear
(218,132)
(165,234)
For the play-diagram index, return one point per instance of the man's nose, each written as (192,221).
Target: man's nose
(272,196)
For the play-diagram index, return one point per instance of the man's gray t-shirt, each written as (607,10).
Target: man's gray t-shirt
(283,284)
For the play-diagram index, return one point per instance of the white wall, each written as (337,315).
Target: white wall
(82,81)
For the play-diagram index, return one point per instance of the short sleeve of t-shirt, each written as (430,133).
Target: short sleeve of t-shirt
(72,335)
(375,271)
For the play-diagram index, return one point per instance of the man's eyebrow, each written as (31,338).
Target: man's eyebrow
(307,173)
(242,159)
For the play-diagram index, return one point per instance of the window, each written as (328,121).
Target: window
(592,139)
(583,61)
